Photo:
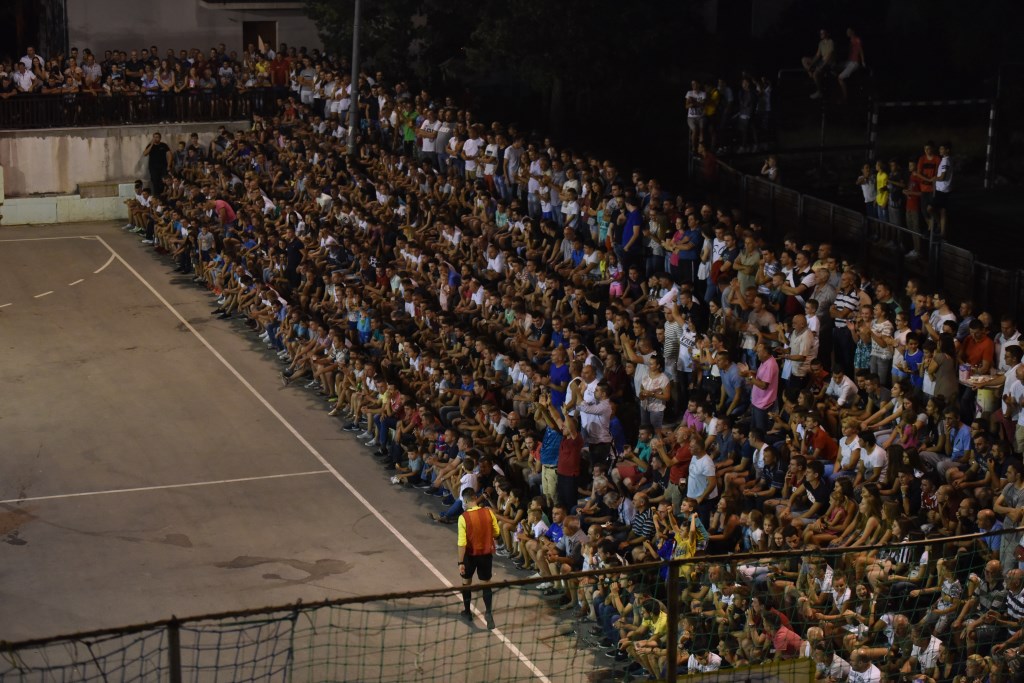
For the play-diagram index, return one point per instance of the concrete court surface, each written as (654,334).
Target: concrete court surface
(105,390)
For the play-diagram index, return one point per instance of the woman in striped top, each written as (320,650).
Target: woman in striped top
(898,563)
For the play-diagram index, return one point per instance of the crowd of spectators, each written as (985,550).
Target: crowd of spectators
(627,374)
(142,85)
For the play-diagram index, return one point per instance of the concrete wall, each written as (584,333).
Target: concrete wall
(56,161)
(180,24)
(69,208)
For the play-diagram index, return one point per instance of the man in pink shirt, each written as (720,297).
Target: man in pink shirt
(765,387)
(785,642)
(854,61)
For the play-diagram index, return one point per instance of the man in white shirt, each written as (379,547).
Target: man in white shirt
(471,150)
(702,661)
(803,348)
(862,670)
(695,100)
(1008,335)
(841,388)
(943,185)
(596,416)
(489,159)
(27,59)
(828,665)
(1014,403)
(24,80)
(702,484)
(428,134)
(495,263)
(925,653)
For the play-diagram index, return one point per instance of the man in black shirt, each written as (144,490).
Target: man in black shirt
(160,159)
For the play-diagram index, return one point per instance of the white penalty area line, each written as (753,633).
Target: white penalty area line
(165,487)
(372,509)
(40,296)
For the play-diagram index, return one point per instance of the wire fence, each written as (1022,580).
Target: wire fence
(744,616)
(879,246)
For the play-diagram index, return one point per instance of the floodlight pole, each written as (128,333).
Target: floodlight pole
(353,107)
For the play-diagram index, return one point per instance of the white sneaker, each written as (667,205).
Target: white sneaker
(544,586)
(147,241)
(913,253)
(265,337)
(365,436)
(535,575)
(127,226)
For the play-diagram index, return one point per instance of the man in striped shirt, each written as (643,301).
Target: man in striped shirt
(1013,619)
(843,312)
(642,529)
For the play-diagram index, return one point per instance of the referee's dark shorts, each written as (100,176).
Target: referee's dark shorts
(478,564)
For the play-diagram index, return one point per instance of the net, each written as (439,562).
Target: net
(777,616)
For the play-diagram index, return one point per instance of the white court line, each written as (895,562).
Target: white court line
(40,296)
(4,305)
(72,284)
(44,239)
(162,488)
(109,261)
(323,461)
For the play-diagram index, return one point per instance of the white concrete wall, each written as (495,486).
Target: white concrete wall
(66,208)
(180,24)
(55,161)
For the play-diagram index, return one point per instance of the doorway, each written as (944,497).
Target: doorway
(255,31)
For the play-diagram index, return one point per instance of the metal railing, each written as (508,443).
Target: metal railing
(879,246)
(99,108)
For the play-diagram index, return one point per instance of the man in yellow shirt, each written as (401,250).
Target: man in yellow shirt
(882,190)
(478,527)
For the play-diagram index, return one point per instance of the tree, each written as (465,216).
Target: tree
(386,33)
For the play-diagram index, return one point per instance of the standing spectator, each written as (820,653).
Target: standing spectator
(701,483)
(943,186)
(570,450)
(1008,335)
(869,188)
(160,159)
(765,389)
(895,188)
(881,191)
(913,193)
(821,63)
(695,99)
(770,169)
(854,60)
(927,169)
(746,105)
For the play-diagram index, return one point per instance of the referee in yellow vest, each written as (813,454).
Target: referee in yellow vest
(478,527)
